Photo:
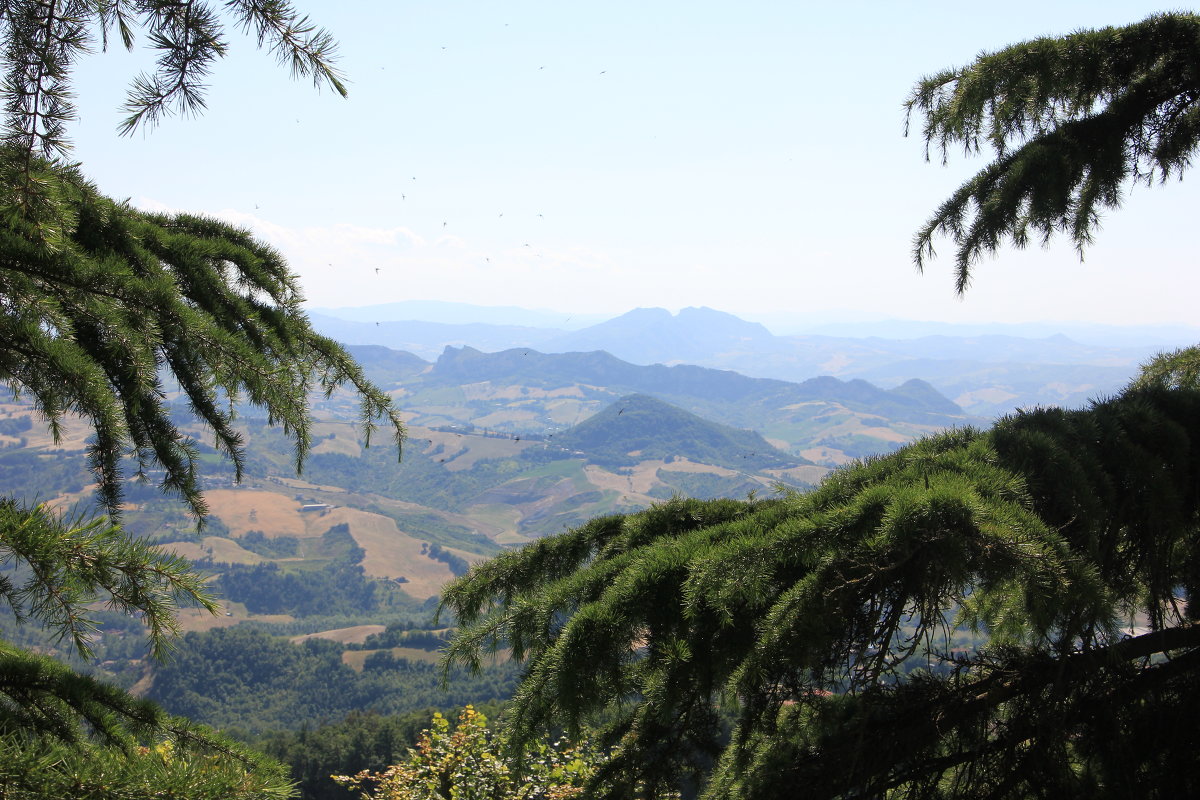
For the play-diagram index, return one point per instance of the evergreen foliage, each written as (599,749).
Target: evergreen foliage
(100,302)
(65,565)
(1172,370)
(117,296)
(125,748)
(40,43)
(1059,535)
(33,767)
(800,615)
(1072,120)
(105,311)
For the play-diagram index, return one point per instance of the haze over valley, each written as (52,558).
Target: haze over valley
(532,422)
(986,369)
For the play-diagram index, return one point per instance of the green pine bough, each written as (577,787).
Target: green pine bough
(813,643)
(106,301)
(1072,122)
(113,318)
(801,618)
(125,748)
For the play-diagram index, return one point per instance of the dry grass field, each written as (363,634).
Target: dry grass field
(644,477)
(461,451)
(354,635)
(215,548)
(683,465)
(228,551)
(189,550)
(299,484)
(391,553)
(471,558)
(344,438)
(244,510)
(489,391)
(487,525)
(499,517)
(632,486)
(74,432)
(194,619)
(355,658)
(635,484)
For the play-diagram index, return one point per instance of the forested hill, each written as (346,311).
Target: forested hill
(714,393)
(599,368)
(640,427)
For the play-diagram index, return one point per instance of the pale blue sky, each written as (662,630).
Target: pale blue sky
(595,157)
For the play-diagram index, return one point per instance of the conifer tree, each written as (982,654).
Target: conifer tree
(820,644)
(1073,122)
(112,315)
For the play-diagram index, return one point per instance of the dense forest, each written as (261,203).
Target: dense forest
(332,584)
(248,681)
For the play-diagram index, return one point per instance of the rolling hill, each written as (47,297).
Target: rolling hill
(504,448)
(640,427)
(526,392)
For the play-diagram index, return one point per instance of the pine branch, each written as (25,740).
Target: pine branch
(308,50)
(1072,121)
(74,562)
(127,293)
(1043,532)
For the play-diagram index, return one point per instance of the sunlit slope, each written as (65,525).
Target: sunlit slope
(524,392)
(503,448)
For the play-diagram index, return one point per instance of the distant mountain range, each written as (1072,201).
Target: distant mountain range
(526,392)
(986,373)
(782,324)
(503,448)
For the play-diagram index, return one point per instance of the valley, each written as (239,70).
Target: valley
(332,576)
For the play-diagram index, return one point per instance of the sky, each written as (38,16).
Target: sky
(597,157)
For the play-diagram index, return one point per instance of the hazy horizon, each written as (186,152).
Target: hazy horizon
(851,324)
(595,159)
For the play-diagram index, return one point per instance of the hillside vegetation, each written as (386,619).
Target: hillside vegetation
(504,448)
(335,569)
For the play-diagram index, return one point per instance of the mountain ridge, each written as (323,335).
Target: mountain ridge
(714,393)
(987,373)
